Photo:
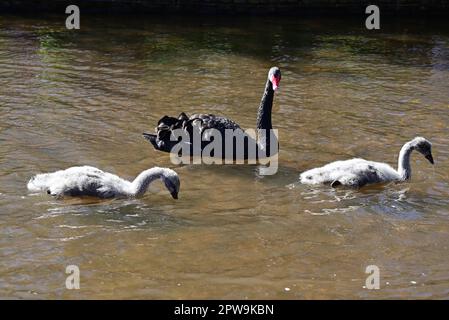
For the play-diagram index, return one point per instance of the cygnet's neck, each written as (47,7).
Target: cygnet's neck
(404,169)
(141,183)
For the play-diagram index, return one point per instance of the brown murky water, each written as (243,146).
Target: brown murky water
(85,97)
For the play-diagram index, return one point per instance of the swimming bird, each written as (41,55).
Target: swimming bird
(90,181)
(360,172)
(201,122)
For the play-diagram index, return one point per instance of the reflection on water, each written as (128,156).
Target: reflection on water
(71,98)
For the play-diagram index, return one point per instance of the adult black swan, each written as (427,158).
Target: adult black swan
(199,125)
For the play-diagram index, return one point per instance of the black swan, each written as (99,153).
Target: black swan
(359,172)
(163,139)
(90,181)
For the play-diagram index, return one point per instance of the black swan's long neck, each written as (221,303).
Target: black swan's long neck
(265,136)
(266,104)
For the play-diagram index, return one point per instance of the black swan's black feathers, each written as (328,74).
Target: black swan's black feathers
(199,123)
(196,122)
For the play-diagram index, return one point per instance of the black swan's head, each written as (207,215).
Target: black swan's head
(274,75)
(423,146)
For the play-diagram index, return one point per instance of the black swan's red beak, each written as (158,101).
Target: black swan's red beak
(275,82)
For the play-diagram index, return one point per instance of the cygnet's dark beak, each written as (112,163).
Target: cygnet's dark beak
(430,158)
(174,194)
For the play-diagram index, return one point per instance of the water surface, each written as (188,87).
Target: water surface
(71,98)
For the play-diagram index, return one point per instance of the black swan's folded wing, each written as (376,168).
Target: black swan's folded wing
(196,122)
(210,121)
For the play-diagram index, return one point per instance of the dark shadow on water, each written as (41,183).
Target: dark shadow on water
(164,39)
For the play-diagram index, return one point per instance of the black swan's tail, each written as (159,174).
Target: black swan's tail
(152,138)
(161,139)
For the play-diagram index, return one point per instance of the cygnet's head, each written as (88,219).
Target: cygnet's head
(423,146)
(171,181)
